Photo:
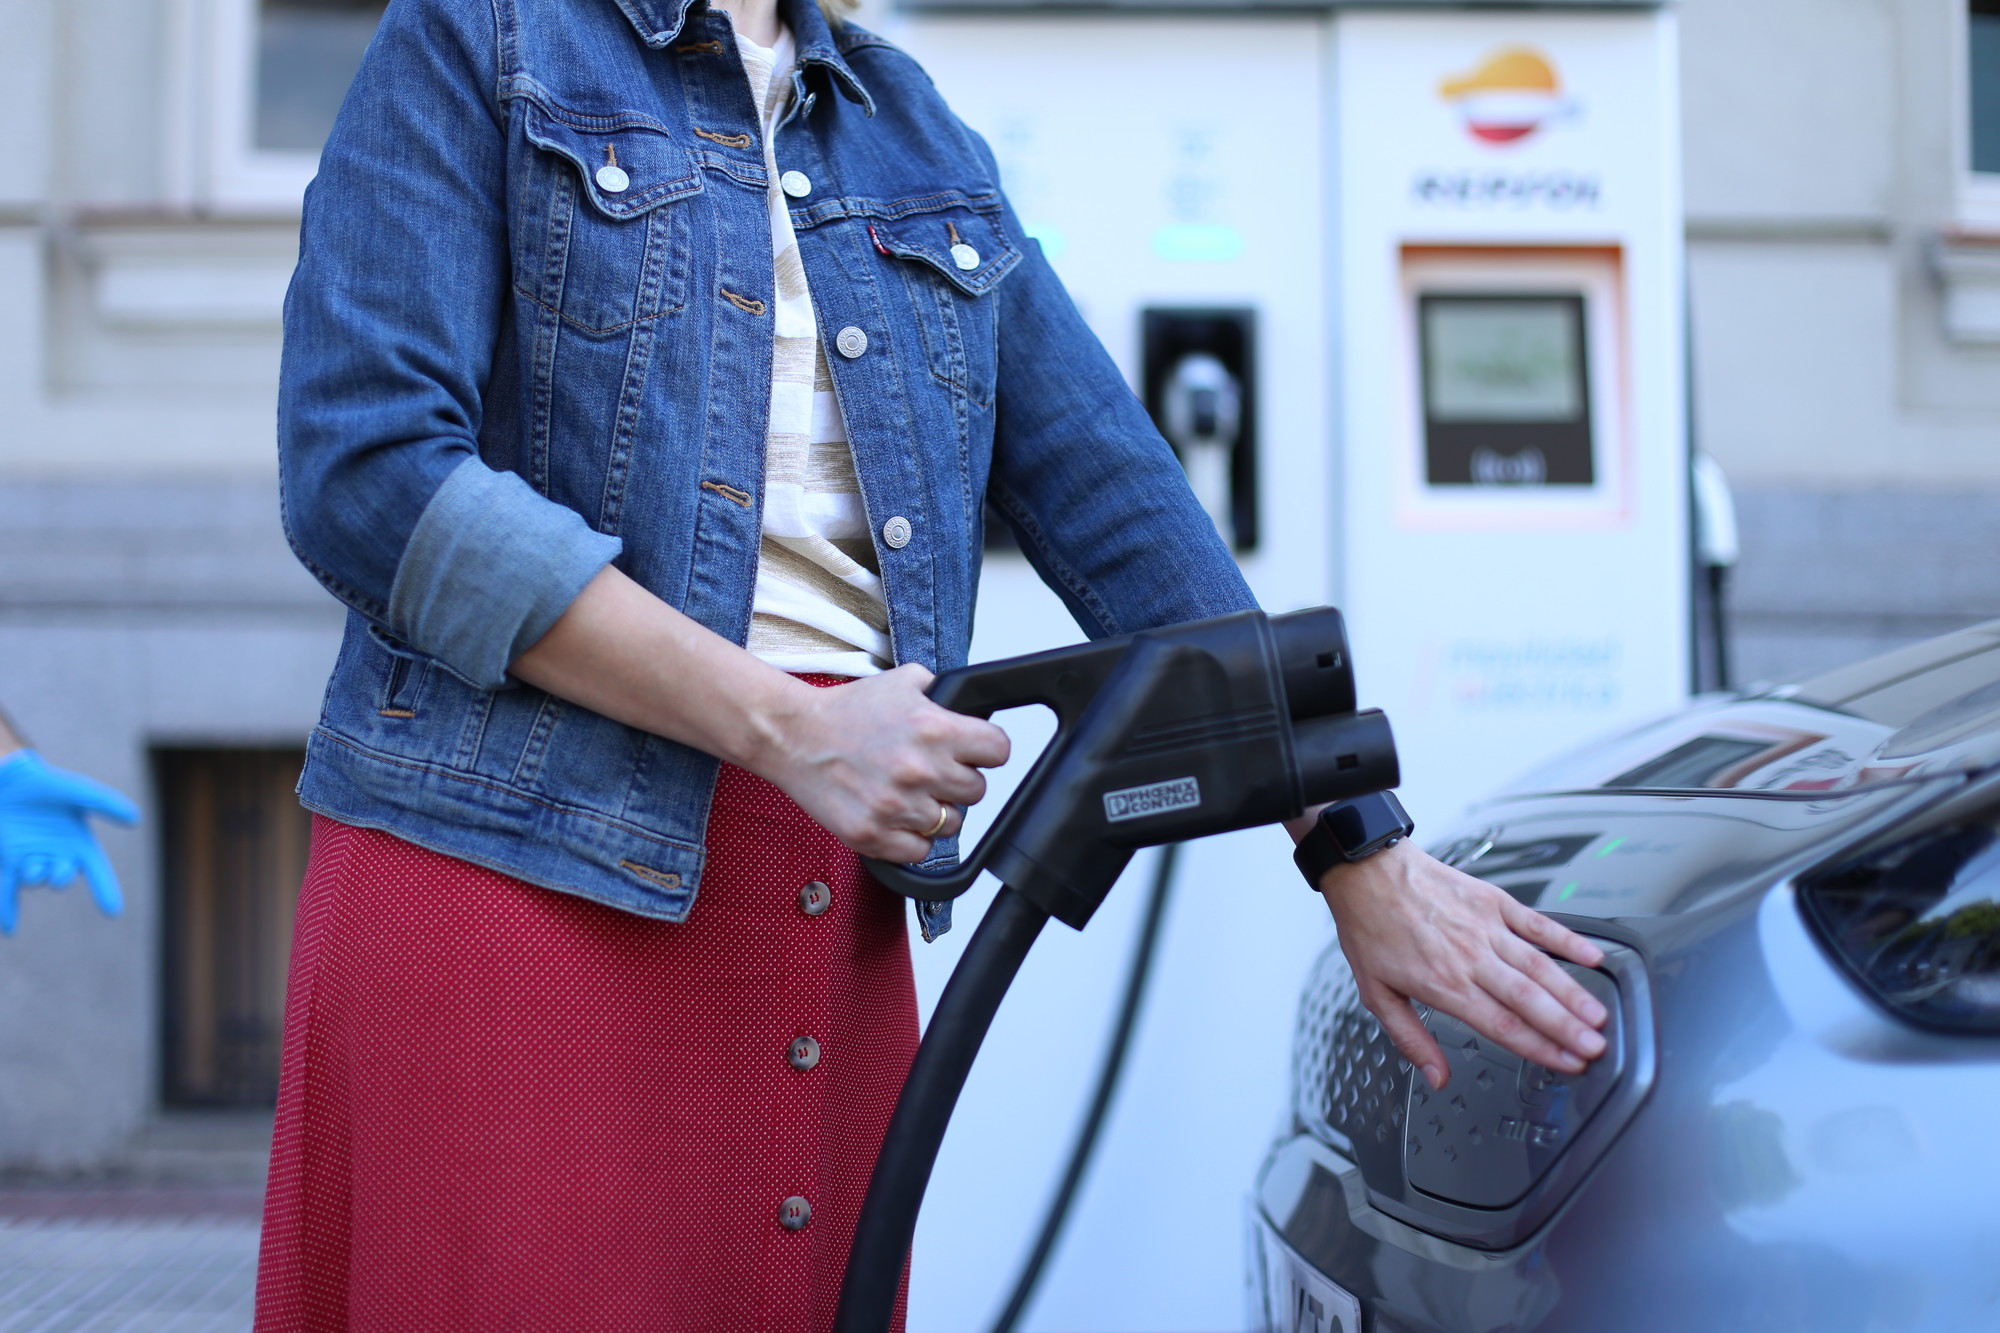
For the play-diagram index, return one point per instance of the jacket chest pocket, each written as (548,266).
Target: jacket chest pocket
(952,259)
(600,238)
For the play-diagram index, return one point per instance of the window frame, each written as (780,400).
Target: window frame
(1978,191)
(233,174)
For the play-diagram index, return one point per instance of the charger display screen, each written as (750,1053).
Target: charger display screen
(1506,390)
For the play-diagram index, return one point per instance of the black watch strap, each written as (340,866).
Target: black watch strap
(1351,830)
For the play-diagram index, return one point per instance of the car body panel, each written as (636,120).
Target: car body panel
(1801,1158)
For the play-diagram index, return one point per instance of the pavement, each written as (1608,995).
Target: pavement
(129,1256)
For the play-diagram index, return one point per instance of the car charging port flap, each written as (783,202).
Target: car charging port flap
(1493,1131)
(1490,1157)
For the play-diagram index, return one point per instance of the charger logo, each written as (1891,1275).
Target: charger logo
(1513,93)
(1153,799)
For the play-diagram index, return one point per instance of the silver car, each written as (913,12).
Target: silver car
(1797,1123)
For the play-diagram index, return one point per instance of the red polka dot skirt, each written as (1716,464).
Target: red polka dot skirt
(508,1108)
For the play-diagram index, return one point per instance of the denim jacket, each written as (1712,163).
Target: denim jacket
(530,335)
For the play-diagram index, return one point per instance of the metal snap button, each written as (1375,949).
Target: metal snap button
(802,1054)
(815,898)
(964,256)
(851,341)
(613,180)
(896,533)
(794,1213)
(795,184)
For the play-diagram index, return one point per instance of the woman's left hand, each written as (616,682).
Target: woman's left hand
(1416,931)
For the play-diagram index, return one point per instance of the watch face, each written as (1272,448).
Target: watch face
(1351,831)
(1367,824)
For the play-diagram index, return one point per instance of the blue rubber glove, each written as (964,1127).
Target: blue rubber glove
(44,838)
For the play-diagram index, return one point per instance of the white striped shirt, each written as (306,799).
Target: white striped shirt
(819,605)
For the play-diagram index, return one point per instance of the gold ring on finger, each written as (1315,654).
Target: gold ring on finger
(944,813)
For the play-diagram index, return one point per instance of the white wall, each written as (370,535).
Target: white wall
(1822,163)
(1824,146)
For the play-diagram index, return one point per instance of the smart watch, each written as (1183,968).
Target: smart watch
(1351,830)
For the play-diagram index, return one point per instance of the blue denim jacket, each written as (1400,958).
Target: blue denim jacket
(506,367)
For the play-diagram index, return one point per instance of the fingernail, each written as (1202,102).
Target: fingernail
(1595,1014)
(1573,1063)
(1589,1044)
(1434,1076)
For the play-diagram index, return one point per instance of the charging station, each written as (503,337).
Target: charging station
(1402,285)
(1512,539)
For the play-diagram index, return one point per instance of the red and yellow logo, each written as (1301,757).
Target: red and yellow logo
(1513,93)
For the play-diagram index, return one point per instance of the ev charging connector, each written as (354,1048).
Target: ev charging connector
(1161,736)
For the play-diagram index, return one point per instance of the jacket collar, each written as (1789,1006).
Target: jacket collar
(658,22)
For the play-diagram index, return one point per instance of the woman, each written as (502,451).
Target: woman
(648,366)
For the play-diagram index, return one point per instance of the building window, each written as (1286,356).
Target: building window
(1983,46)
(233,851)
(270,74)
(307,54)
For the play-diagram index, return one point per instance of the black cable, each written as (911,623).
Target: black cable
(909,1150)
(1100,1103)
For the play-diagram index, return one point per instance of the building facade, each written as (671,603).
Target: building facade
(1844,255)
(1843,219)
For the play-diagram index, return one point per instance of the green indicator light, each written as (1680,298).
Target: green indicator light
(1193,243)
(1609,848)
(1567,890)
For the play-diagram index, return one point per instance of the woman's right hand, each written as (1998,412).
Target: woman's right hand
(873,760)
(877,763)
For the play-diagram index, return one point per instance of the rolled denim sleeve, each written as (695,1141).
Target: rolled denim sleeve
(1098,500)
(488,569)
(391,323)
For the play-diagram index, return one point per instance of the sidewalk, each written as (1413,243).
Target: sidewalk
(133,1257)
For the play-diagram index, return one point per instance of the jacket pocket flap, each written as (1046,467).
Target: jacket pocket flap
(967,247)
(626,165)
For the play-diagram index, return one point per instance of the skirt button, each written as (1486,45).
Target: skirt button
(815,898)
(794,1213)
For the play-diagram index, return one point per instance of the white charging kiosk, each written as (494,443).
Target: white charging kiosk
(1403,283)
(1512,544)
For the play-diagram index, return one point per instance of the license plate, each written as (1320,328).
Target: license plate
(1304,1302)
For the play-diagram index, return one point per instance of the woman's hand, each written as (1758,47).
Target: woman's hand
(1415,930)
(873,760)
(880,765)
